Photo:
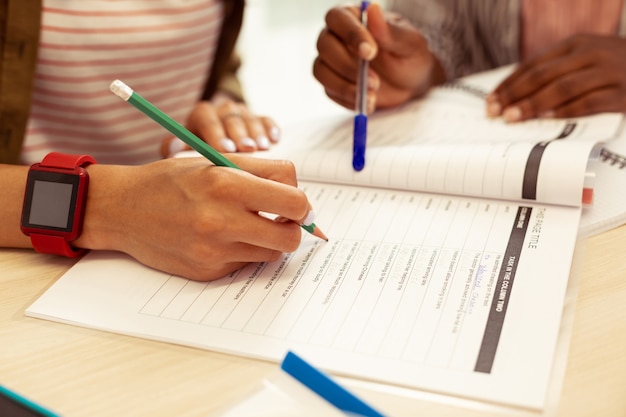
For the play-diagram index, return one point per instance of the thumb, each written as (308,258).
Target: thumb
(393,33)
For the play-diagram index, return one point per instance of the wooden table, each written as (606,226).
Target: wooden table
(83,372)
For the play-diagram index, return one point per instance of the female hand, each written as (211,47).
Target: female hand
(401,65)
(187,217)
(228,126)
(583,75)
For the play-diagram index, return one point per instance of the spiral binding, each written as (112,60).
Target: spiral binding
(466,88)
(612,158)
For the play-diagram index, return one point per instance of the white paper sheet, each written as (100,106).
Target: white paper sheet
(446,294)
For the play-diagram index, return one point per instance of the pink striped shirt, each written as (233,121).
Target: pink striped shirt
(163,49)
(545,22)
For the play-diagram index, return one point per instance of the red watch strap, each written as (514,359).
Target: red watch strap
(55,245)
(65,160)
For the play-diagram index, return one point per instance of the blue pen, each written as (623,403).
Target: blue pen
(325,387)
(360,120)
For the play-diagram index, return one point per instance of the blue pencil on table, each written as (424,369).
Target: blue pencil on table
(360,120)
(324,386)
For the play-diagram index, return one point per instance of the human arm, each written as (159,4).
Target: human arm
(401,67)
(182,216)
(582,75)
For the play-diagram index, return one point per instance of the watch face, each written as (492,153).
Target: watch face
(50,202)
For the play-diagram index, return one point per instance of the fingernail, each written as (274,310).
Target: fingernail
(309,219)
(263,142)
(176,145)
(512,114)
(548,114)
(228,145)
(372,83)
(494,109)
(366,51)
(275,134)
(248,143)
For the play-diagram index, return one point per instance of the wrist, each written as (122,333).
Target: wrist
(54,202)
(103,225)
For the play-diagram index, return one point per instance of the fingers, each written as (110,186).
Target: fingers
(598,101)
(340,45)
(230,127)
(556,95)
(340,85)
(530,79)
(537,68)
(242,207)
(401,64)
(271,128)
(246,130)
(271,189)
(267,236)
(344,23)
(214,262)
(581,76)
(227,230)
(286,200)
(278,170)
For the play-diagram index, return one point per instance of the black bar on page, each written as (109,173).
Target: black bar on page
(502,292)
(531,173)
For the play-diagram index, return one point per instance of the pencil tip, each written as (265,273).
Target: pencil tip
(314,230)
(317,232)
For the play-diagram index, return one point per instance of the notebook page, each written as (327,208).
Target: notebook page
(446,145)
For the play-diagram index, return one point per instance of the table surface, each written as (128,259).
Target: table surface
(78,371)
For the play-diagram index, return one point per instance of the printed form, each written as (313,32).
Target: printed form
(453,295)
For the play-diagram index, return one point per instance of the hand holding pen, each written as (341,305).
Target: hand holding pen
(401,66)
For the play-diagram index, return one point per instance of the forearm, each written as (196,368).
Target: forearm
(183,216)
(101,208)
(13,180)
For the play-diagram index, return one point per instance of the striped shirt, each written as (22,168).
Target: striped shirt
(163,49)
(469,36)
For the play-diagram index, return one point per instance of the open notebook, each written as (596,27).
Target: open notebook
(445,271)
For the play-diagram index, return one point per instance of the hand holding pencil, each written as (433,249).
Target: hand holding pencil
(188,217)
(239,196)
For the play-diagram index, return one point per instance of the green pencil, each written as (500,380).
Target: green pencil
(127,94)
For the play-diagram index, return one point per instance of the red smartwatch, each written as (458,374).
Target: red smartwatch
(54,203)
